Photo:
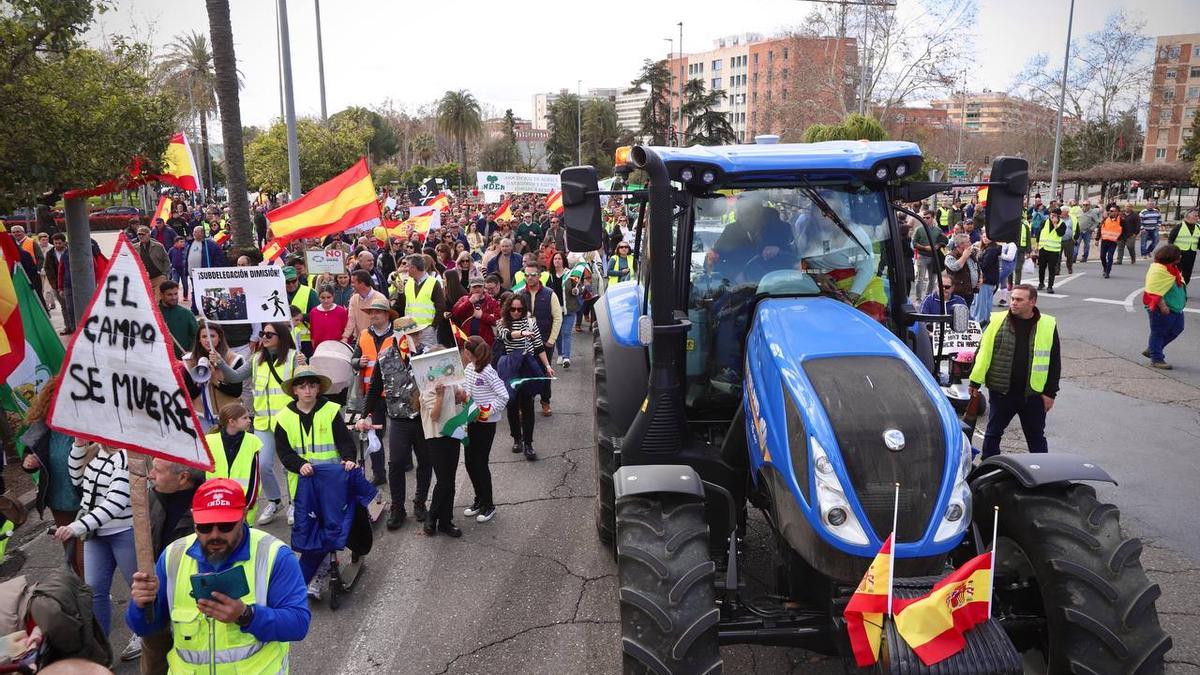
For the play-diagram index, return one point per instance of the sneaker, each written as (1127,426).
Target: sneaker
(558,360)
(268,513)
(472,509)
(1041,287)
(291,514)
(1161,365)
(566,363)
(314,588)
(486,514)
(516,446)
(1146,353)
(450,530)
(133,649)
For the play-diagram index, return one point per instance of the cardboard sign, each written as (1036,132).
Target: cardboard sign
(229,295)
(440,367)
(503,181)
(331,261)
(120,382)
(958,342)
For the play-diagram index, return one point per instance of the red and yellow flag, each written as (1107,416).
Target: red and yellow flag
(12,331)
(460,335)
(934,625)
(179,167)
(273,250)
(345,202)
(504,214)
(867,607)
(163,210)
(221,237)
(554,202)
(441,202)
(982,195)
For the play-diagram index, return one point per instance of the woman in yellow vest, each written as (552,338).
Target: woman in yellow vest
(620,265)
(235,454)
(1049,249)
(276,361)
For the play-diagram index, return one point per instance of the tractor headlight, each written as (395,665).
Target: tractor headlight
(836,514)
(686,174)
(901,170)
(958,511)
(708,177)
(881,173)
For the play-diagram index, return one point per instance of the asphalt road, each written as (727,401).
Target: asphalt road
(534,592)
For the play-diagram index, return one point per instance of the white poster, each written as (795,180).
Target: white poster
(120,385)
(431,368)
(492,197)
(332,261)
(241,294)
(958,342)
(501,181)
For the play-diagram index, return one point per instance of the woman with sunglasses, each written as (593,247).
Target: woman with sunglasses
(524,353)
(276,361)
(226,371)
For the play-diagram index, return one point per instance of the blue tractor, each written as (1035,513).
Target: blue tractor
(767,355)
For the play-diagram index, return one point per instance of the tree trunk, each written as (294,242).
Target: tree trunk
(205,171)
(225,65)
(462,160)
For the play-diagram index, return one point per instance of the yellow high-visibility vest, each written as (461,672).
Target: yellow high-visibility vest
(269,396)
(243,464)
(1039,361)
(316,447)
(418,304)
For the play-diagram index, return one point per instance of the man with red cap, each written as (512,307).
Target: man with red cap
(260,624)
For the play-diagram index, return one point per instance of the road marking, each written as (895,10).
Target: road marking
(1106,301)
(1069,277)
(1129,298)
(1044,294)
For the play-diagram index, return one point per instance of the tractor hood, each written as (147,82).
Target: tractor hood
(838,411)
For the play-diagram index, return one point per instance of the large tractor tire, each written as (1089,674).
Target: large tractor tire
(669,615)
(605,464)
(1061,555)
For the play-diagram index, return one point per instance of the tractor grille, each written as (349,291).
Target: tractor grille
(864,396)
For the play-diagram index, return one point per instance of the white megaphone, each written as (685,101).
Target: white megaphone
(202,373)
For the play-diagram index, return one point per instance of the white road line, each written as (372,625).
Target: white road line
(1044,294)
(1106,301)
(1129,298)
(1069,277)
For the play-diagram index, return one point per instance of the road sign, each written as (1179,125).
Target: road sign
(958,171)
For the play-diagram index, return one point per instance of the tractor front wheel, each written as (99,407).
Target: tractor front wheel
(604,433)
(669,616)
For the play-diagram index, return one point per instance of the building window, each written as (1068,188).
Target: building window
(716,65)
(768,96)
(1195,72)
(1196,51)
(1173,52)
(756,59)
(785,53)
(1187,133)
(1171,73)
(733,62)
(1164,115)
(1160,153)
(783,95)
(1168,95)
(754,118)
(770,57)
(716,83)
(1193,93)
(754,97)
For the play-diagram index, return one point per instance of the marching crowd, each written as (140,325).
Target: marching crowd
(505,295)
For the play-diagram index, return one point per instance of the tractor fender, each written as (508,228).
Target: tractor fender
(641,479)
(1035,470)
(627,372)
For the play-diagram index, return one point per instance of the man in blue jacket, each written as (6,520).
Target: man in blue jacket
(273,613)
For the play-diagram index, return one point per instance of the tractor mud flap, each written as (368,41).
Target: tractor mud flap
(988,650)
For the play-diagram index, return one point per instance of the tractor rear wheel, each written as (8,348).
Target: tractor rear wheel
(605,464)
(1061,556)
(669,615)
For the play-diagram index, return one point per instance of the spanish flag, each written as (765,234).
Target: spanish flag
(504,214)
(179,169)
(421,224)
(982,195)
(273,250)
(865,612)
(934,625)
(163,210)
(345,202)
(12,331)
(460,335)
(441,202)
(221,237)
(554,202)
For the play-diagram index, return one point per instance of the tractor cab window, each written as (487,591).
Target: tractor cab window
(824,240)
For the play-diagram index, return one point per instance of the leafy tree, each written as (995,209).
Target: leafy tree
(499,154)
(510,126)
(325,151)
(34,30)
(706,125)
(600,134)
(385,174)
(854,128)
(563,122)
(656,113)
(225,65)
(187,70)
(1191,147)
(418,174)
(383,143)
(423,147)
(460,116)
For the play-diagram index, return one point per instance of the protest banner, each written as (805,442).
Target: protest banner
(331,261)
(440,367)
(241,294)
(502,181)
(967,341)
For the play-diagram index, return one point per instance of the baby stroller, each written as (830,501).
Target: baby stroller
(333,526)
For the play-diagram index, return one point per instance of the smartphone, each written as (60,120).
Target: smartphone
(231,582)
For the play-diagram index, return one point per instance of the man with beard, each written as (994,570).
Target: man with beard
(256,636)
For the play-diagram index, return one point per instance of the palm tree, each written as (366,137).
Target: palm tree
(187,69)
(423,147)
(459,115)
(227,83)
(706,125)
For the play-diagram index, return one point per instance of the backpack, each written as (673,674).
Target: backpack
(62,607)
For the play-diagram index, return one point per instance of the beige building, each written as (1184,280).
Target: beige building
(990,112)
(542,102)
(1174,96)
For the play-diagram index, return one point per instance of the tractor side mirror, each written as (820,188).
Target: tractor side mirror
(581,208)
(1006,202)
(960,318)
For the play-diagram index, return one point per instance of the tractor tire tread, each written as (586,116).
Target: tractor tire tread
(604,433)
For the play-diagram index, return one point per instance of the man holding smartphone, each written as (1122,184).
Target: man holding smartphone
(272,612)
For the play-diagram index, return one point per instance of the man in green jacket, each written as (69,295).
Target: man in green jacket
(180,321)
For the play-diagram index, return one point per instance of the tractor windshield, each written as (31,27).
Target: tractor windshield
(812,239)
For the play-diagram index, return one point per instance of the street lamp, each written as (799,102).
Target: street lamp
(670,88)
(1062,95)
(578,123)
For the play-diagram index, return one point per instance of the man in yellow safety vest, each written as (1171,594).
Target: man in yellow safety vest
(1019,361)
(256,627)
(1186,236)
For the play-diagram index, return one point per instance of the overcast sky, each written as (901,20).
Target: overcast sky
(504,52)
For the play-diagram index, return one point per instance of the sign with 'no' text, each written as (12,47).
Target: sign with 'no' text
(120,385)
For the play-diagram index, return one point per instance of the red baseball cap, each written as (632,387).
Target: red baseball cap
(220,500)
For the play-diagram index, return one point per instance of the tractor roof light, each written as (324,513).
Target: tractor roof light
(901,170)
(621,156)
(881,172)
(708,177)
(686,174)
(836,515)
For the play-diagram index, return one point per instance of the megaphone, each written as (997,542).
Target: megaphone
(202,373)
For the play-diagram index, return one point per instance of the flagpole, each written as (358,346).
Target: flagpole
(992,572)
(892,566)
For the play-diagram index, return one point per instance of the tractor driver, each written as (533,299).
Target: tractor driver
(843,262)
(757,234)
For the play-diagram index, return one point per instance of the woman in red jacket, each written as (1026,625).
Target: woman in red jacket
(477,312)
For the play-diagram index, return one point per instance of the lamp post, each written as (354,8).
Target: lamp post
(1062,95)
(682,82)
(289,103)
(671,89)
(578,123)
(320,57)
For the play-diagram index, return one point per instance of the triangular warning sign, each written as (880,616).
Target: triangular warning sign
(120,382)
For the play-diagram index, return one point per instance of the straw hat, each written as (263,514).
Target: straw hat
(406,325)
(382,306)
(305,373)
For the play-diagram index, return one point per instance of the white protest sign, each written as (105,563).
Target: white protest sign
(331,261)
(240,294)
(120,385)
(389,203)
(958,342)
(492,196)
(502,181)
(440,367)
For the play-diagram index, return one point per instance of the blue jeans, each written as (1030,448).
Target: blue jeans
(563,344)
(1084,246)
(1164,328)
(1149,241)
(102,555)
(981,309)
(1107,249)
(266,466)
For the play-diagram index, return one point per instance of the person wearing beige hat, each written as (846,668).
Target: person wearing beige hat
(377,337)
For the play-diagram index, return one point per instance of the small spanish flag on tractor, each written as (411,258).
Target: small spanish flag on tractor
(554,202)
(504,214)
(934,625)
(868,606)
(163,210)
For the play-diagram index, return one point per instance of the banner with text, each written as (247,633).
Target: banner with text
(120,385)
(331,261)
(500,181)
(967,341)
(241,294)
